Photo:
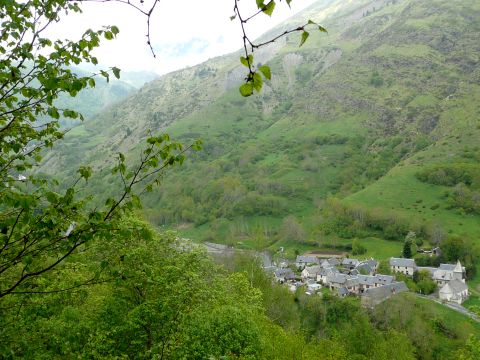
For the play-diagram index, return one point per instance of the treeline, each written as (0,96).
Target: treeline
(355,221)
(451,175)
(463,180)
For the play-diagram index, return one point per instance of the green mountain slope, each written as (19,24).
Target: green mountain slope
(391,91)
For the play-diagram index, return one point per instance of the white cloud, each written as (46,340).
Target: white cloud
(183,32)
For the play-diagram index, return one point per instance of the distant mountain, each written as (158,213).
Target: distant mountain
(378,113)
(91,101)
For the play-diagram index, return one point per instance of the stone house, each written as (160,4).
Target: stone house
(448,272)
(374,296)
(311,272)
(402,265)
(350,264)
(455,291)
(284,275)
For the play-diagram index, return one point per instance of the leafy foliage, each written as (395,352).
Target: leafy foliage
(42,223)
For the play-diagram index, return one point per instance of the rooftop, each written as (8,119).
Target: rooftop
(402,262)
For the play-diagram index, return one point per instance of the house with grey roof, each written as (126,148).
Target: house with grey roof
(324,272)
(448,272)
(284,275)
(381,280)
(367,267)
(311,272)
(350,263)
(302,261)
(369,281)
(455,291)
(402,265)
(374,296)
(337,280)
(330,262)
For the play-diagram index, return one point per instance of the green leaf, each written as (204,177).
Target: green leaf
(85,172)
(116,72)
(265,70)
(288,2)
(305,35)
(247,61)
(91,82)
(114,30)
(257,82)
(322,29)
(268,9)
(233,17)
(53,112)
(246,89)
(260,4)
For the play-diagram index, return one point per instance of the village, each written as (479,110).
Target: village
(353,277)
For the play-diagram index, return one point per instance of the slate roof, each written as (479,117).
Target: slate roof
(447,267)
(328,271)
(368,266)
(402,262)
(351,281)
(384,279)
(454,287)
(342,279)
(285,273)
(444,275)
(366,280)
(342,291)
(336,278)
(330,262)
(384,292)
(350,262)
(371,263)
(313,269)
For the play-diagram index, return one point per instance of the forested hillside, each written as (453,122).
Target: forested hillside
(375,113)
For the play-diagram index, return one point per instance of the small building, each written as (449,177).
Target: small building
(402,265)
(369,281)
(374,296)
(350,263)
(455,291)
(338,280)
(367,267)
(311,272)
(381,280)
(324,273)
(330,262)
(448,272)
(284,275)
(302,261)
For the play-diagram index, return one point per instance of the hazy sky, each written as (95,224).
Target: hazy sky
(183,32)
